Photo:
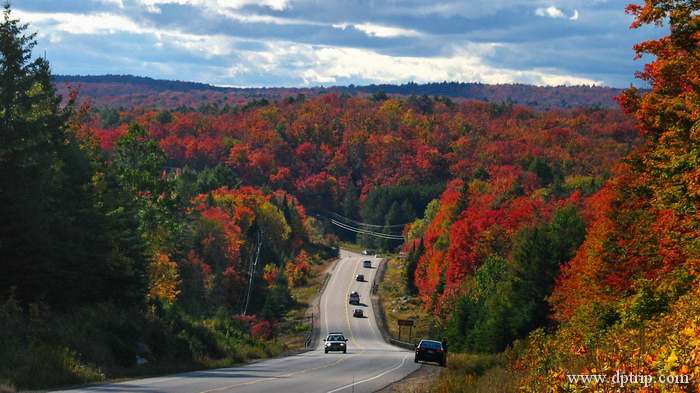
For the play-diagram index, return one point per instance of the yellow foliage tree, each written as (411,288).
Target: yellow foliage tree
(163,279)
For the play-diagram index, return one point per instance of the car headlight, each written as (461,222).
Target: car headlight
(342,344)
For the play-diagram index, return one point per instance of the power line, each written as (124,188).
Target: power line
(365,224)
(367,232)
(251,272)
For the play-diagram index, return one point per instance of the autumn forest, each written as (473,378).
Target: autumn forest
(555,240)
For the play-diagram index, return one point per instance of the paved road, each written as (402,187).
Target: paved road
(369,364)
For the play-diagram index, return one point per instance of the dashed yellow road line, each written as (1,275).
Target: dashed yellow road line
(352,336)
(347,311)
(280,376)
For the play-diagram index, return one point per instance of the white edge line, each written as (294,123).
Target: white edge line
(369,379)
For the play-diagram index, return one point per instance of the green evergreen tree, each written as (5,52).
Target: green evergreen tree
(409,273)
(393,217)
(540,167)
(221,175)
(509,300)
(538,253)
(57,242)
(351,203)
(138,166)
(186,184)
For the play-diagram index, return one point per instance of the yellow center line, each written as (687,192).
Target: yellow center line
(280,376)
(352,336)
(347,311)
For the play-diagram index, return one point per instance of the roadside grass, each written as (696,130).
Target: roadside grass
(471,373)
(42,348)
(297,322)
(398,304)
(352,247)
(465,373)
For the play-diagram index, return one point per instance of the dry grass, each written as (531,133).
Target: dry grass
(398,304)
(297,323)
(468,373)
(465,372)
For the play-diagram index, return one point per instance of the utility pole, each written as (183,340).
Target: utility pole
(252,272)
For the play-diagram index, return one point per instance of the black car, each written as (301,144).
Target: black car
(354,298)
(431,351)
(335,341)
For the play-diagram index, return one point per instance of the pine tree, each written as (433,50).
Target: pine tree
(49,237)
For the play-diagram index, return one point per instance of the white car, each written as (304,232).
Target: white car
(335,341)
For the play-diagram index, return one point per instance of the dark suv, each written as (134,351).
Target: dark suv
(431,351)
(335,341)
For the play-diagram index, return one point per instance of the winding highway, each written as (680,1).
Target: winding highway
(369,364)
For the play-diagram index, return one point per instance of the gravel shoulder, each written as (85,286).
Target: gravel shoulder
(418,381)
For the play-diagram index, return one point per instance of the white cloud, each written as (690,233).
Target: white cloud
(329,65)
(56,25)
(293,54)
(119,3)
(386,31)
(101,23)
(551,12)
(277,5)
(256,18)
(554,12)
(468,9)
(381,31)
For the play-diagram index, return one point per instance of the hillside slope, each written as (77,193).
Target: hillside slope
(134,91)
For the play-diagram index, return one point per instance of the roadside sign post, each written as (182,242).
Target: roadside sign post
(409,323)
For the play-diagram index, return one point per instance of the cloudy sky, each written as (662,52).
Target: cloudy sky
(298,43)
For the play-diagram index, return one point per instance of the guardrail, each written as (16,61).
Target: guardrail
(324,283)
(309,333)
(402,344)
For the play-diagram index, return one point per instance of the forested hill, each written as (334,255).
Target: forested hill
(135,91)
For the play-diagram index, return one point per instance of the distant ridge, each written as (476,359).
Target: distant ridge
(134,91)
(160,84)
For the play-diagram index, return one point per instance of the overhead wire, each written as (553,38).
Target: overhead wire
(365,224)
(367,232)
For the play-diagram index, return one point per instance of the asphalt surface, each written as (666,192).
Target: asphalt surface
(369,364)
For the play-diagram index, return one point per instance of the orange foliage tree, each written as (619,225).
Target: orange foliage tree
(628,301)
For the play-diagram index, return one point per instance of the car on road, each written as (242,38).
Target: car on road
(358,313)
(335,341)
(367,252)
(354,298)
(367,263)
(360,277)
(431,351)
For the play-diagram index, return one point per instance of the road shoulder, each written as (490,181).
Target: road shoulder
(418,381)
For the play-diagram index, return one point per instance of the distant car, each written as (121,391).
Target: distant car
(431,351)
(354,298)
(360,277)
(367,263)
(358,313)
(335,341)
(367,252)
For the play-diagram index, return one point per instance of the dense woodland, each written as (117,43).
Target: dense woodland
(134,91)
(566,237)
